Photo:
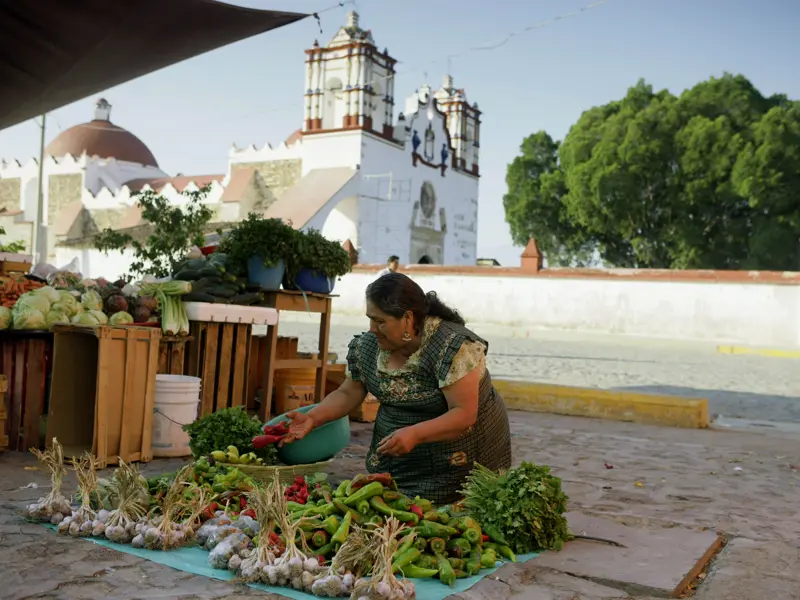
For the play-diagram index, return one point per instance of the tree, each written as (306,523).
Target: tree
(173,230)
(709,179)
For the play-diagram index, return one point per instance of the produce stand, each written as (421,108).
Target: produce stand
(105,379)
(291,301)
(27,358)
(172,354)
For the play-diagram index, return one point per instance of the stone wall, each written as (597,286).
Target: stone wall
(277,175)
(62,190)
(10,194)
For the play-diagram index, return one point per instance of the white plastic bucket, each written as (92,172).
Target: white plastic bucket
(176,403)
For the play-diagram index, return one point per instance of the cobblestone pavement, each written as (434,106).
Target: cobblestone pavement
(741,483)
(743,387)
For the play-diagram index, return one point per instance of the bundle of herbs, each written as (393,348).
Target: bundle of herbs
(82,522)
(224,428)
(383,585)
(54,506)
(522,508)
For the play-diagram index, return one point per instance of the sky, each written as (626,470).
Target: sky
(251,92)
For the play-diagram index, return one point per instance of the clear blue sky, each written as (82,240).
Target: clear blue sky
(252,92)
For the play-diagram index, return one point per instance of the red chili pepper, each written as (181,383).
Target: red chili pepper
(242,501)
(385,479)
(417,511)
(248,513)
(262,441)
(213,507)
(321,560)
(281,428)
(484,537)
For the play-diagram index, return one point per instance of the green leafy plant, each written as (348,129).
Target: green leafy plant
(174,230)
(525,506)
(17,247)
(227,427)
(315,252)
(269,239)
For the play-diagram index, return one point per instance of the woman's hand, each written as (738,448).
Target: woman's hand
(300,425)
(399,443)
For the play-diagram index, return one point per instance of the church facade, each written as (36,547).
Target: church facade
(404,184)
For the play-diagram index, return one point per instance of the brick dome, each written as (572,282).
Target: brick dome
(100,137)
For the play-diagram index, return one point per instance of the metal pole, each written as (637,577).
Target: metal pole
(38,235)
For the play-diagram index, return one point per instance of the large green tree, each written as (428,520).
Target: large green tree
(707,179)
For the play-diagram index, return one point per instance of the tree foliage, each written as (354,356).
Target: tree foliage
(709,179)
(173,230)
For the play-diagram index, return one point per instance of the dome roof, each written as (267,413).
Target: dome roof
(100,137)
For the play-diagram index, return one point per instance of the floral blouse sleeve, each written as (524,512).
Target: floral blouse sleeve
(471,356)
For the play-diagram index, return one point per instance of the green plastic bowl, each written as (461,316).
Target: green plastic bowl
(321,444)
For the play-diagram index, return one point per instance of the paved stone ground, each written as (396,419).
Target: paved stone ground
(740,387)
(742,483)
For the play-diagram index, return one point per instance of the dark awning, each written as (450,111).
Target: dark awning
(53,53)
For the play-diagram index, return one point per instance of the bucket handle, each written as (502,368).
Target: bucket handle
(155,410)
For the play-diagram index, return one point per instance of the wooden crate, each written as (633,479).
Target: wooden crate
(25,360)
(172,354)
(15,263)
(368,410)
(219,355)
(103,391)
(3,390)
(286,348)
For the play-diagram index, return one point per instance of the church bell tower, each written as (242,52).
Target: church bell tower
(349,84)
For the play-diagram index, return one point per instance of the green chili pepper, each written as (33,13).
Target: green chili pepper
(420,543)
(414,571)
(488,558)
(365,493)
(406,558)
(494,534)
(296,507)
(426,561)
(429,529)
(343,510)
(309,525)
(431,515)
(319,538)
(402,504)
(330,525)
(379,505)
(457,563)
(437,545)
(344,530)
(391,495)
(341,491)
(506,552)
(355,480)
(325,511)
(474,562)
(406,543)
(376,520)
(460,574)
(446,573)
(459,547)
(424,505)
(363,507)
(325,550)
(473,536)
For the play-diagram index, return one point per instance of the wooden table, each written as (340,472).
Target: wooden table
(292,301)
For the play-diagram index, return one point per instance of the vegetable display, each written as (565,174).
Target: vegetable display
(54,506)
(211,282)
(170,302)
(521,509)
(229,427)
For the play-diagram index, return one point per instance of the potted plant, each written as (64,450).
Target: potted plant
(261,248)
(316,263)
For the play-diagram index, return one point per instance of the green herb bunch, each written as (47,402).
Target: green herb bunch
(315,252)
(271,240)
(525,505)
(227,427)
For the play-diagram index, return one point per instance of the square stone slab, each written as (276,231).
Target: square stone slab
(658,562)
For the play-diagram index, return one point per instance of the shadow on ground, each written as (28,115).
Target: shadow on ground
(735,405)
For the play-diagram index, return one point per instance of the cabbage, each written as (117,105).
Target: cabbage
(91,300)
(29,318)
(5,317)
(100,316)
(48,292)
(64,308)
(121,318)
(68,299)
(54,317)
(85,318)
(33,300)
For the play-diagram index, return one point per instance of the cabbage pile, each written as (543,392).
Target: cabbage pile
(42,308)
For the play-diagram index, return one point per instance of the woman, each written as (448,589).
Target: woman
(439,412)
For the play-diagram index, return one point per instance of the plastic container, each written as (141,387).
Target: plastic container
(230,313)
(267,278)
(321,444)
(311,281)
(176,404)
(294,388)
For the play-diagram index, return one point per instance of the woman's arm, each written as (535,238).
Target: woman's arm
(462,404)
(338,403)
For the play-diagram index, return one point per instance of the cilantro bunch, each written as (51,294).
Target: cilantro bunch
(525,506)
(226,427)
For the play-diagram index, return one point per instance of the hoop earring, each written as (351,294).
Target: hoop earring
(406,337)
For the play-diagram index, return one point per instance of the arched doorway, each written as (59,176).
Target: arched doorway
(425,260)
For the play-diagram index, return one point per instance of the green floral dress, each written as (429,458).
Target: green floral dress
(413,394)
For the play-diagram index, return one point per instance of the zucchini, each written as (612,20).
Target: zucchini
(253,287)
(196,263)
(221,291)
(198,297)
(247,299)
(218,258)
(205,283)
(210,271)
(187,275)
(230,278)
(242,283)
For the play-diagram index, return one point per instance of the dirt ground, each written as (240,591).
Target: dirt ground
(746,485)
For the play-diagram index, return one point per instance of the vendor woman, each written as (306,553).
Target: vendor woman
(439,412)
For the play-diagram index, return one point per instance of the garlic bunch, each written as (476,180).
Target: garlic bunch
(53,507)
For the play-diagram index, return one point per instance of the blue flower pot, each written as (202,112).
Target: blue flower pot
(321,444)
(267,278)
(311,281)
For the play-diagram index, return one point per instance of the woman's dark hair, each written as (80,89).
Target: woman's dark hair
(395,294)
